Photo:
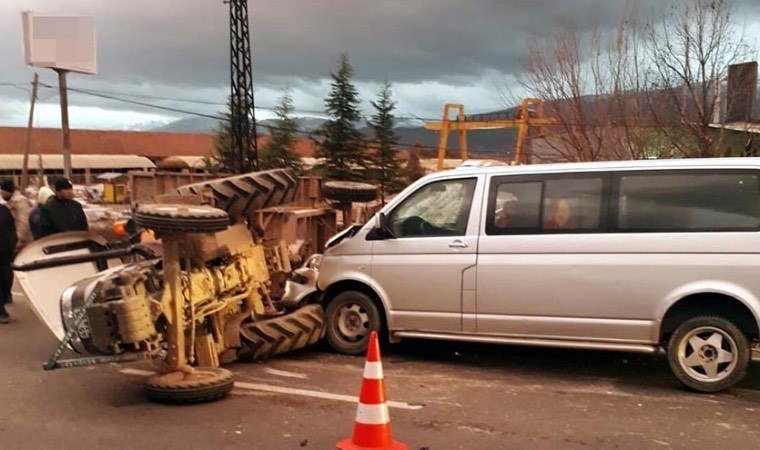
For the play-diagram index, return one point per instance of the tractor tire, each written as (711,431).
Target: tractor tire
(269,337)
(176,218)
(349,191)
(239,196)
(205,384)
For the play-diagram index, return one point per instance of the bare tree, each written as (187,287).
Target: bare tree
(647,89)
(629,89)
(689,54)
(593,85)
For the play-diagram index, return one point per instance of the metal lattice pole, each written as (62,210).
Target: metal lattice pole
(244,135)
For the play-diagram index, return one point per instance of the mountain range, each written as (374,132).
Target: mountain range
(410,133)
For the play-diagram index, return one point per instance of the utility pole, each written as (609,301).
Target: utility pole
(28,139)
(40,170)
(66,137)
(244,135)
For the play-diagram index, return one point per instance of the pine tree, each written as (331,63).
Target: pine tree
(386,167)
(225,149)
(280,149)
(339,142)
(226,153)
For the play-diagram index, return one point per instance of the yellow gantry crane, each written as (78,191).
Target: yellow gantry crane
(525,119)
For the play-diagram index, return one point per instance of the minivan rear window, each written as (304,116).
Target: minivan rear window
(689,201)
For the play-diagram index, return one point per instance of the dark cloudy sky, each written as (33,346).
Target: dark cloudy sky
(434,51)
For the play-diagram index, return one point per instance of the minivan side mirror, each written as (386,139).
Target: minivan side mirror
(381,230)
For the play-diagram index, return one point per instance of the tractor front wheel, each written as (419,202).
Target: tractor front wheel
(203,384)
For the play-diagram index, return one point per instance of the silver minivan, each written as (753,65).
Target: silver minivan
(632,256)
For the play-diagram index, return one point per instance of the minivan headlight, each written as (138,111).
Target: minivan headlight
(314,262)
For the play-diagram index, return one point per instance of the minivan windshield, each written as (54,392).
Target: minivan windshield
(438,209)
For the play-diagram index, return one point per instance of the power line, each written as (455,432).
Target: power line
(308,133)
(22,87)
(408,116)
(98,92)
(153,97)
(139,103)
(212,103)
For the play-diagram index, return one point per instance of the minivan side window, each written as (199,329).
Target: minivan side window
(573,204)
(688,201)
(517,206)
(441,208)
(552,205)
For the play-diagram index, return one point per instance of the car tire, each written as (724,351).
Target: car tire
(350,317)
(708,354)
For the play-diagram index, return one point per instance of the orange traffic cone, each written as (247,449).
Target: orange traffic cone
(372,429)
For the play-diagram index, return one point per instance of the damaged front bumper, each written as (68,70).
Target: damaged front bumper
(302,284)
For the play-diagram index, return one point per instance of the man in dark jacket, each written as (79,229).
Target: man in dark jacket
(63,213)
(7,251)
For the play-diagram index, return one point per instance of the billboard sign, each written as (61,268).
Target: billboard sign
(60,42)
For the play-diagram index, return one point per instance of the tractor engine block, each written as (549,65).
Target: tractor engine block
(122,315)
(223,273)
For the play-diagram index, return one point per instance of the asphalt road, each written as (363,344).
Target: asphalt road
(449,396)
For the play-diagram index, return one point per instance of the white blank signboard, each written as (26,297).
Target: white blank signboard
(60,42)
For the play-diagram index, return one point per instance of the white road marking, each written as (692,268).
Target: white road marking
(292,391)
(17,294)
(317,394)
(599,390)
(286,374)
(142,373)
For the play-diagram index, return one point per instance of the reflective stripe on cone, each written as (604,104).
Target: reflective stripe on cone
(372,414)
(373,370)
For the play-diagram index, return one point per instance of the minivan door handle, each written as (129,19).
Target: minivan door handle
(458,244)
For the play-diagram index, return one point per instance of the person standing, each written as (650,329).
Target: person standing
(20,207)
(7,251)
(63,213)
(35,217)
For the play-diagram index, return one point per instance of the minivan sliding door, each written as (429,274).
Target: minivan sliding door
(538,275)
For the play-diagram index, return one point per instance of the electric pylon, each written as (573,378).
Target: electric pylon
(244,136)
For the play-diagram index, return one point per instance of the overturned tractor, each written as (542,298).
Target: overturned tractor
(204,302)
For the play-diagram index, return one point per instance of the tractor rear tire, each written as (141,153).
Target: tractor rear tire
(349,191)
(241,195)
(269,337)
(204,384)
